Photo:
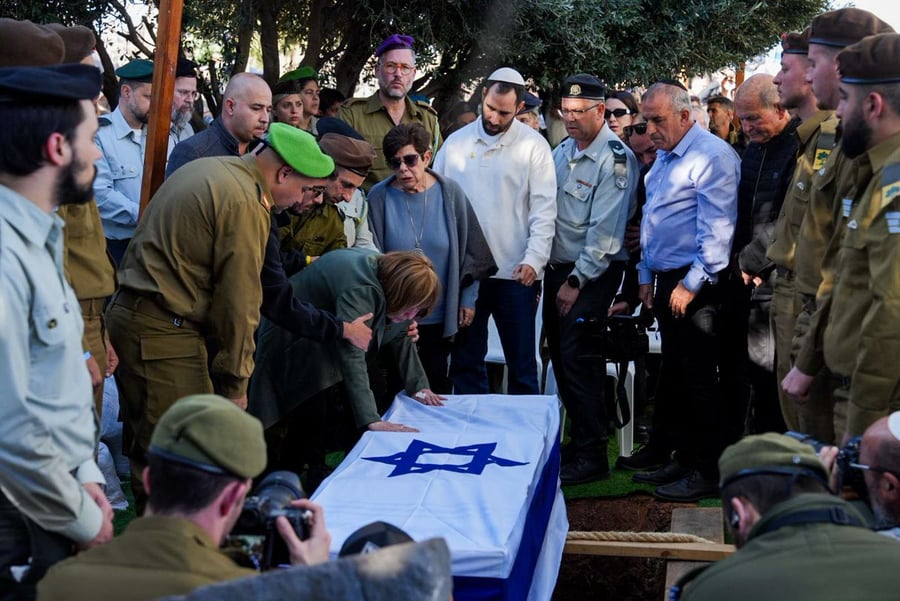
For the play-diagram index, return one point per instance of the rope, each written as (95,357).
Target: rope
(637,537)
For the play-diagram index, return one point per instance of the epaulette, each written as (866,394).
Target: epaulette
(424,105)
(620,168)
(826,142)
(352,101)
(104,120)
(890,185)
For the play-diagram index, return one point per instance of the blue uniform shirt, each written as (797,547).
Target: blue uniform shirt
(120,172)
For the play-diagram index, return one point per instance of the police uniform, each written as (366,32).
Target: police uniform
(596,194)
(370,118)
(862,339)
(164,555)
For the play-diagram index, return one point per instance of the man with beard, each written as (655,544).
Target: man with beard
(862,338)
(374,116)
(794,539)
(120,169)
(51,498)
(183,102)
(506,170)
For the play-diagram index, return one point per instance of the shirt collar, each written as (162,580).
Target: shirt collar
(882,152)
(173,525)
(687,140)
(504,139)
(120,126)
(27,218)
(594,149)
(374,104)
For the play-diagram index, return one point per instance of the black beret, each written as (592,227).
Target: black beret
(140,70)
(185,68)
(285,88)
(333,125)
(583,86)
(58,82)
(874,60)
(795,43)
(25,43)
(845,26)
(532,103)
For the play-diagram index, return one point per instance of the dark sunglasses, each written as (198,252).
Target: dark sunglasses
(410,160)
(617,113)
(638,128)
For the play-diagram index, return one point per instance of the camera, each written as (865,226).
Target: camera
(847,457)
(618,338)
(254,541)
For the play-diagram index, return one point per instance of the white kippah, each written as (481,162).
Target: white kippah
(507,75)
(894,424)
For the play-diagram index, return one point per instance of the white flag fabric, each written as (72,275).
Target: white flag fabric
(482,472)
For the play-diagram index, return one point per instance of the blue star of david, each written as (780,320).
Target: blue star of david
(406,462)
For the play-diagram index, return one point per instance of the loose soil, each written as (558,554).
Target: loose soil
(588,577)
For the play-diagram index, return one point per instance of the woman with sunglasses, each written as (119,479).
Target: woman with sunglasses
(621,107)
(417,209)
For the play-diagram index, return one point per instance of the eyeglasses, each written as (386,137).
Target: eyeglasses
(577,113)
(394,67)
(314,190)
(192,94)
(410,160)
(870,468)
(617,113)
(638,128)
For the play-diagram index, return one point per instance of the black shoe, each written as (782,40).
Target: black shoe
(582,470)
(692,487)
(646,459)
(567,453)
(671,472)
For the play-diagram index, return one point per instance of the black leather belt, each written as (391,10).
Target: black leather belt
(147,306)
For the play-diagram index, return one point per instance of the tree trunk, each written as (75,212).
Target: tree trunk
(352,61)
(245,36)
(268,40)
(110,83)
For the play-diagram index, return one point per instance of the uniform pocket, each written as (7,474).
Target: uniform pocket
(175,366)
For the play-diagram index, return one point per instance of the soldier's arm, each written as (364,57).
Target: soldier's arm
(542,207)
(114,206)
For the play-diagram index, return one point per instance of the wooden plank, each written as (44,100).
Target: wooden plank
(683,551)
(700,521)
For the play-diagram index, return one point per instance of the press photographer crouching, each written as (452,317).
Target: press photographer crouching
(202,458)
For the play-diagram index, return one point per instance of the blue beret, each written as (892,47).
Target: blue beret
(394,42)
(48,84)
(532,103)
(140,70)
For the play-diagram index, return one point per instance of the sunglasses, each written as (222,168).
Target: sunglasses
(617,113)
(410,160)
(638,128)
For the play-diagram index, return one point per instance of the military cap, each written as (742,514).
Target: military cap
(284,88)
(372,537)
(333,125)
(795,43)
(769,453)
(139,70)
(672,82)
(507,75)
(185,68)
(349,153)
(53,83)
(532,103)
(874,60)
(299,150)
(583,85)
(27,44)
(300,75)
(79,41)
(845,26)
(210,433)
(394,42)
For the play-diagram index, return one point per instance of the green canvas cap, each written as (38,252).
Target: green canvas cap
(768,453)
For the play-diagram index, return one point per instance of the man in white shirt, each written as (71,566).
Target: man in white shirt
(507,172)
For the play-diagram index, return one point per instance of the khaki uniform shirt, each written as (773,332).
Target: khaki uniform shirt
(198,252)
(315,232)
(371,119)
(810,158)
(862,339)
(156,557)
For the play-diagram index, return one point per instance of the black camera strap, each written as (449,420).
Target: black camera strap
(624,409)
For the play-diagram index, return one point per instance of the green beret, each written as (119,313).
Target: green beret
(299,150)
(845,26)
(140,70)
(765,454)
(78,40)
(301,74)
(874,60)
(211,433)
(349,153)
(28,45)
(795,43)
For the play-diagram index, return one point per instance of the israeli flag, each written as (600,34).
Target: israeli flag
(482,472)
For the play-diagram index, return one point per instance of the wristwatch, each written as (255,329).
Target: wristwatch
(574,282)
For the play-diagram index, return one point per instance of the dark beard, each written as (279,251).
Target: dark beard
(855,140)
(492,130)
(68,191)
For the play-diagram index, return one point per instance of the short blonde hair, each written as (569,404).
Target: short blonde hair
(408,280)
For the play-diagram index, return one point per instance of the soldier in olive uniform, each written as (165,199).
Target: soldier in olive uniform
(373,117)
(833,185)
(203,457)
(794,539)
(193,273)
(862,338)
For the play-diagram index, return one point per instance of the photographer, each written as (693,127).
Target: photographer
(203,455)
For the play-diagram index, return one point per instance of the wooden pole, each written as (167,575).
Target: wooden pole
(165,61)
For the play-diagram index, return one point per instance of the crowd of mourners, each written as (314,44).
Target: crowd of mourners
(309,256)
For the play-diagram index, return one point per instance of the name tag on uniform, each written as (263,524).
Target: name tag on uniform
(893,221)
(848,204)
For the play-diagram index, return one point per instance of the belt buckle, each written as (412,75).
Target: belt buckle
(177,321)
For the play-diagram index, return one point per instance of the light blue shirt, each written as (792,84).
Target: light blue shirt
(47,423)
(120,172)
(691,209)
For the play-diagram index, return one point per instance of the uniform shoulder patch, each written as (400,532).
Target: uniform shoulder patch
(617,147)
(104,120)
(890,184)
(352,101)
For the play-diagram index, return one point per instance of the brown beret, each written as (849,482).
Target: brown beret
(78,39)
(349,153)
(28,45)
(845,26)
(874,60)
(795,43)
